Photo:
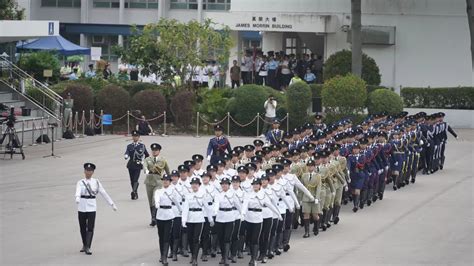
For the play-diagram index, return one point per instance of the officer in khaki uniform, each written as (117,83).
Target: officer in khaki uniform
(312,181)
(339,180)
(328,185)
(155,167)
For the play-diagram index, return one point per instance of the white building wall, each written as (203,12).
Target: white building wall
(272,41)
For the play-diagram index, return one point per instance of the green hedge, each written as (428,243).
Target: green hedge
(82,96)
(383,100)
(344,95)
(299,100)
(247,102)
(113,100)
(316,90)
(340,64)
(443,98)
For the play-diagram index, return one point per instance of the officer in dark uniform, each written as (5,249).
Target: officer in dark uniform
(218,146)
(275,135)
(318,125)
(135,154)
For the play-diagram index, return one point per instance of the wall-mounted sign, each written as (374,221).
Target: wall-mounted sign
(263,23)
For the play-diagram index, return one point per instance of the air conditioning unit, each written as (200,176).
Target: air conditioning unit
(98,39)
(376,35)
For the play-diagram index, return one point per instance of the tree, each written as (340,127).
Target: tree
(356,36)
(9,10)
(470,20)
(170,47)
(339,64)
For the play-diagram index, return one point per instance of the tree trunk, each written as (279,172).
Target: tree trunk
(470,19)
(356,36)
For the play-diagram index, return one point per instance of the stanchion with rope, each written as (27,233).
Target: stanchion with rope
(164,125)
(41,131)
(210,123)
(75,123)
(197,125)
(102,122)
(128,123)
(83,123)
(22,132)
(228,124)
(258,124)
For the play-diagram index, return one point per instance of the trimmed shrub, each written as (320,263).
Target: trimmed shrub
(82,96)
(344,95)
(247,102)
(444,98)
(113,100)
(35,63)
(151,103)
(299,100)
(134,87)
(371,88)
(213,104)
(182,108)
(316,90)
(96,84)
(340,64)
(383,100)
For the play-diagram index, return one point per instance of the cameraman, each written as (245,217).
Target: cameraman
(270,106)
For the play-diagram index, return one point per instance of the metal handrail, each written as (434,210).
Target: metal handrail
(47,92)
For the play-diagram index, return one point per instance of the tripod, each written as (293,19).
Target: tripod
(13,143)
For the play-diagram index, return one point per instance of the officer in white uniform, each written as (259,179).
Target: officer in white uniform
(165,199)
(194,210)
(86,191)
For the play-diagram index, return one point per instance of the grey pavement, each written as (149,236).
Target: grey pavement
(428,223)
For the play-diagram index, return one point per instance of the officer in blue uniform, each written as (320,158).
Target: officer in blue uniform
(135,154)
(356,164)
(275,135)
(218,146)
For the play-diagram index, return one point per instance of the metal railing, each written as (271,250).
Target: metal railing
(14,77)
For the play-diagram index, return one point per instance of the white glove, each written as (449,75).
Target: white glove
(292,210)
(311,198)
(183,225)
(126,156)
(346,188)
(209,158)
(280,218)
(114,207)
(386,168)
(349,180)
(316,201)
(78,200)
(146,171)
(396,163)
(421,142)
(211,223)
(334,193)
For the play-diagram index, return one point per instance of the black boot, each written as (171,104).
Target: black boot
(175,250)
(213,245)
(362,198)
(195,253)
(323,219)
(270,254)
(184,244)
(225,254)
(328,218)
(164,258)
(253,252)
(336,214)
(153,216)
(286,239)
(83,248)
(233,251)
(278,243)
(135,190)
(306,228)
(316,226)
(87,249)
(369,196)
(356,203)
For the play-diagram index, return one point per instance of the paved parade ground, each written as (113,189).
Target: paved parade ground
(430,222)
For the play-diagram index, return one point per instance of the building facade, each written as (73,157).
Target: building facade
(414,42)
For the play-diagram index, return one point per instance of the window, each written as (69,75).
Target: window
(183,4)
(290,46)
(216,4)
(60,3)
(106,42)
(151,4)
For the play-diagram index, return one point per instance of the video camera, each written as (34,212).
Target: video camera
(10,119)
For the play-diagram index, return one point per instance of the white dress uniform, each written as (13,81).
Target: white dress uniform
(246,185)
(289,192)
(210,193)
(224,205)
(254,204)
(166,200)
(198,173)
(230,172)
(85,201)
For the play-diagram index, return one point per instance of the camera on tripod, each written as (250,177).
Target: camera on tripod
(13,142)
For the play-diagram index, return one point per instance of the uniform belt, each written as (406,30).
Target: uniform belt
(226,209)
(88,197)
(255,210)
(195,209)
(154,173)
(209,203)
(165,207)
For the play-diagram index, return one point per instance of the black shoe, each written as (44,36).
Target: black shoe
(369,202)
(413,180)
(306,235)
(395,188)
(264,260)
(380,196)
(374,198)
(221,261)
(355,209)
(286,247)
(277,252)
(233,259)
(87,249)
(204,258)
(82,249)
(270,255)
(336,220)
(132,195)
(260,257)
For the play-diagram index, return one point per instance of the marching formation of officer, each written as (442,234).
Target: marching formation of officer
(251,197)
